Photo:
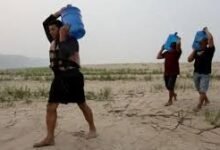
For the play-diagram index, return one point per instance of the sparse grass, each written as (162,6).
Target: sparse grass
(9,95)
(184,85)
(213,117)
(41,92)
(189,75)
(101,74)
(12,94)
(5,78)
(15,93)
(152,74)
(90,95)
(35,74)
(123,71)
(215,76)
(109,77)
(102,95)
(148,78)
(105,94)
(186,75)
(158,87)
(157,71)
(7,104)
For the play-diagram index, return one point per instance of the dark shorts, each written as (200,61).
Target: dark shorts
(67,87)
(170,81)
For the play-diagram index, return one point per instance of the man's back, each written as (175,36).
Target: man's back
(203,61)
(171,63)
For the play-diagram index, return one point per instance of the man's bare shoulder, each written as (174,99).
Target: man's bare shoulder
(52,45)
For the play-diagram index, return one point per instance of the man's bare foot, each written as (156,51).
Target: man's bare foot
(168,103)
(175,97)
(198,108)
(206,103)
(45,142)
(91,135)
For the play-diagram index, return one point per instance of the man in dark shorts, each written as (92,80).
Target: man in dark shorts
(171,68)
(203,68)
(68,83)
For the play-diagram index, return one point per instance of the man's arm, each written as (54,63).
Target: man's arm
(211,41)
(46,27)
(47,21)
(191,56)
(210,38)
(160,55)
(179,50)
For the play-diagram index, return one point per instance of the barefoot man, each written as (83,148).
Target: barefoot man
(68,83)
(171,68)
(203,67)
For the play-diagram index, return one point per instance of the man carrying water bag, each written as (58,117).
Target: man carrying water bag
(202,54)
(171,52)
(68,83)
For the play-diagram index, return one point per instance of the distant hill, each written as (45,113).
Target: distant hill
(18,61)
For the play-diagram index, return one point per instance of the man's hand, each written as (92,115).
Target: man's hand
(178,46)
(162,47)
(58,13)
(210,37)
(191,56)
(200,53)
(159,55)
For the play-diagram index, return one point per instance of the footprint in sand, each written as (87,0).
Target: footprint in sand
(80,133)
(87,136)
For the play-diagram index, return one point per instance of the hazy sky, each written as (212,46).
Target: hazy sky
(118,31)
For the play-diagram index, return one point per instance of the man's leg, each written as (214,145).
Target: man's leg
(197,79)
(170,82)
(202,97)
(204,87)
(170,101)
(87,112)
(166,80)
(173,87)
(174,96)
(51,118)
(206,100)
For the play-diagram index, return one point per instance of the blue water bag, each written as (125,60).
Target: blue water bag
(200,35)
(72,16)
(172,38)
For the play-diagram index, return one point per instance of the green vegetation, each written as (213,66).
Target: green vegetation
(152,75)
(213,117)
(45,74)
(102,95)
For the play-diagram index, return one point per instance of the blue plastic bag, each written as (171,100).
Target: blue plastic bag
(72,16)
(200,35)
(172,38)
